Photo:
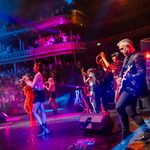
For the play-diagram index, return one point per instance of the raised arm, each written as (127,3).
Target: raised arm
(103,56)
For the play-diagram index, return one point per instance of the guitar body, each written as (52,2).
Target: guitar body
(120,88)
(123,81)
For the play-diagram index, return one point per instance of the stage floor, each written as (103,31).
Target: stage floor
(65,134)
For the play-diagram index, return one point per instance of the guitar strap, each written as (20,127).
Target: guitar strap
(126,60)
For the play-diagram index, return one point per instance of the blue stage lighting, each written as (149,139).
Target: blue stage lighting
(69,1)
(63,99)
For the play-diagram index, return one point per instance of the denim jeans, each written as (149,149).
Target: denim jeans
(126,106)
(101,97)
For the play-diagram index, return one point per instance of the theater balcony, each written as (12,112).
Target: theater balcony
(16,36)
(74,18)
(43,52)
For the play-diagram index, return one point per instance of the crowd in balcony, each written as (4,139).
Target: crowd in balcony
(39,42)
(55,39)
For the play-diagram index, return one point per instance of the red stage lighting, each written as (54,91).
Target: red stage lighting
(147,55)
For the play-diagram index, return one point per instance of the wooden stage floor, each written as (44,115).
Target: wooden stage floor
(65,134)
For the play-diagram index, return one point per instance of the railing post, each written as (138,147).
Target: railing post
(71,36)
(74,58)
(14,64)
(55,58)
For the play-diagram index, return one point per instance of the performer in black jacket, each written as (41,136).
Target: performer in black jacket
(132,86)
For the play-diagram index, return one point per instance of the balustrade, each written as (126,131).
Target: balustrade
(45,51)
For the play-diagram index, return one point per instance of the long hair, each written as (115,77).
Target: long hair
(41,67)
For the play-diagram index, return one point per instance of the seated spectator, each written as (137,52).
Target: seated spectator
(64,37)
(77,37)
(51,40)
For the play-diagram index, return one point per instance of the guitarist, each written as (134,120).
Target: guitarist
(129,93)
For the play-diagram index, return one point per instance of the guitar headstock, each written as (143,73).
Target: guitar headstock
(129,68)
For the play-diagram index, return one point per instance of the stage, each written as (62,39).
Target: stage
(65,134)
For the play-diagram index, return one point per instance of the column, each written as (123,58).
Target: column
(71,36)
(55,58)
(15,69)
(74,58)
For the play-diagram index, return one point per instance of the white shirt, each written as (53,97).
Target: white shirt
(37,83)
(91,79)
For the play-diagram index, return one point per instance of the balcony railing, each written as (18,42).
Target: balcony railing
(45,51)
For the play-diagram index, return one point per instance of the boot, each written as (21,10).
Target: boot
(145,136)
(42,131)
(45,128)
(125,139)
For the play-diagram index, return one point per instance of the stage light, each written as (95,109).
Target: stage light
(98,44)
(147,55)
(69,1)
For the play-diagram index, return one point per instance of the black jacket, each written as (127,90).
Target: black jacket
(136,80)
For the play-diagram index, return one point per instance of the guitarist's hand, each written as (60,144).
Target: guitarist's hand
(119,80)
(128,77)
(103,55)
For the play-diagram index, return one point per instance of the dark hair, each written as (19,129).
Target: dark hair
(29,76)
(52,74)
(116,54)
(40,66)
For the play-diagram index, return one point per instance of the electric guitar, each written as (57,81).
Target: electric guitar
(121,85)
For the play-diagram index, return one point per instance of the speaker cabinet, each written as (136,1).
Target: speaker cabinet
(145,45)
(99,123)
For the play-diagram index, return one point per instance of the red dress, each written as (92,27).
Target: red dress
(28,104)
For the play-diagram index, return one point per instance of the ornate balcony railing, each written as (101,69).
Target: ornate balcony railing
(41,52)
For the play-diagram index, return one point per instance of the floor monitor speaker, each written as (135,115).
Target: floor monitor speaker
(99,123)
